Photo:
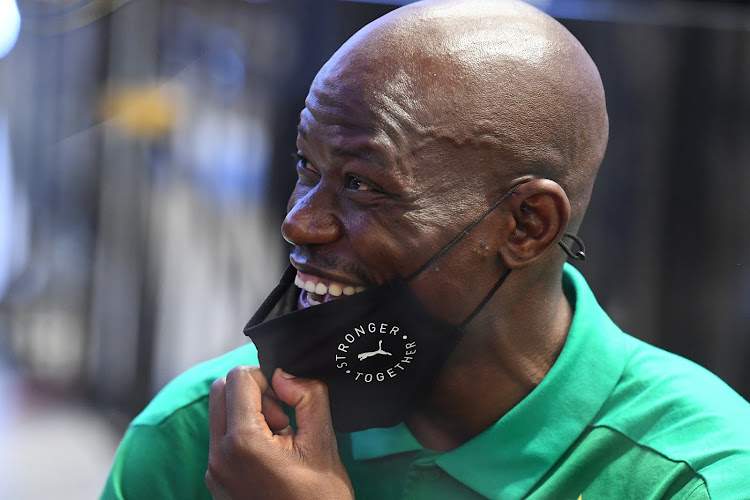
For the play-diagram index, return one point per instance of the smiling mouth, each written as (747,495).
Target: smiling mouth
(317,290)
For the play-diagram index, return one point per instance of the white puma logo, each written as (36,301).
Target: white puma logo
(380,350)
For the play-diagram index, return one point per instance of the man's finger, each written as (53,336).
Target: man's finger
(276,419)
(244,389)
(217,412)
(312,413)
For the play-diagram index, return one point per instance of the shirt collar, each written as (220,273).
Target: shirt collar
(509,458)
(376,443)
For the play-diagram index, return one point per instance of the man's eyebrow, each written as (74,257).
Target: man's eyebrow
(367,153)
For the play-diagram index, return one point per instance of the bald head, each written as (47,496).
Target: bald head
(498,83)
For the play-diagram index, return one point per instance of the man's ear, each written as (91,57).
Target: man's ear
(540,211)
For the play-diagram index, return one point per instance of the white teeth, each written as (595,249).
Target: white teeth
(320,288)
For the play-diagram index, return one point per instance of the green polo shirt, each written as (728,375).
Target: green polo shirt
(614,418)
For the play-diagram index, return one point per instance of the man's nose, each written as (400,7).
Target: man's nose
(311,221)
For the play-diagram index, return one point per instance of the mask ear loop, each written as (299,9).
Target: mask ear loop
(486,299)
(463,233)
(580,254)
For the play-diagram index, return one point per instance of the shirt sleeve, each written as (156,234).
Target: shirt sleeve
(165,461)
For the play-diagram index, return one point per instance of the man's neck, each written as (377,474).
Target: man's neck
(489,374)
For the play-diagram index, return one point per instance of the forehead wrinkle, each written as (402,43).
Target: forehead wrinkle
(373,109)
(375,148)
(394,96)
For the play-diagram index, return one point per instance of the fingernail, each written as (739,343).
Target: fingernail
(285,374)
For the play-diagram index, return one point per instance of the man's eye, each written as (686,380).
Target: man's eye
(303,162)
(354,182)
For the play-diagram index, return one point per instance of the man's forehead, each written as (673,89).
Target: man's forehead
(358,114)
(335,141)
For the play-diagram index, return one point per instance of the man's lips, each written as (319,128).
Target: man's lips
(316,289)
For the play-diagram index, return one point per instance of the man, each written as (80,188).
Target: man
(450,145)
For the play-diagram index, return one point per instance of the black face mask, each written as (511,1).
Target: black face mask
(378,351)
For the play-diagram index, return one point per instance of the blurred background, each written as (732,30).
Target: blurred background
(145,163)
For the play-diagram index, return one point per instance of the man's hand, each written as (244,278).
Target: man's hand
(254,453)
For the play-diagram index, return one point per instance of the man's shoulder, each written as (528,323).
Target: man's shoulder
(685,413)
(193,385)
(656,381)
(165,450)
